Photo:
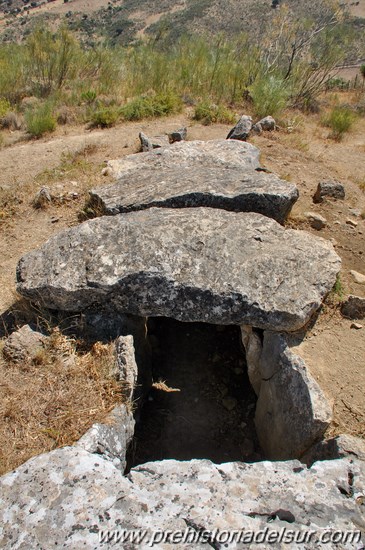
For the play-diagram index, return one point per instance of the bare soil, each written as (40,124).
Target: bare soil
(333,350)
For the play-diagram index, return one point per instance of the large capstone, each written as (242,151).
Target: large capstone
(70,498)
(223,186)
(213,153)
(195,264)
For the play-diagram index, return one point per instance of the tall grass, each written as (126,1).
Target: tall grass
(221,71)
(340,120)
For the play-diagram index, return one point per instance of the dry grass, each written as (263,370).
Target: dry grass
(53,400)
(162,386)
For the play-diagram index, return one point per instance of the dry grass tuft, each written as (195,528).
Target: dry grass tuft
(54,399)
(162,386)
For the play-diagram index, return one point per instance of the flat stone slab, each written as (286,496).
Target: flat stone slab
(70,498)
(223,186)
(211,153)
(194,264)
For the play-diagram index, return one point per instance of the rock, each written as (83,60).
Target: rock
(343,445)
(316,220)
(194,264)
(292,412)
(42,198)
(229,403)
(253,347)
(268,124)
(187,186)
(70,498)
(194,153)
(126,365)
(24,345)
(332,189)
(359,278)
(351,222)
(111,440)
(256,129)
(353,307)
(178,135)
(356,326)
(148,144)
(355,212)
(242,129)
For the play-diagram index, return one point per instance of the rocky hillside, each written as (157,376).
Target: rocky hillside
(125,21)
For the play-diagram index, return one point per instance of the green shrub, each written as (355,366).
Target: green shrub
(40,120)
(269,95)
(340,120)
(103,117)
(209,113)
(4,106)
(151,106)
(89,96)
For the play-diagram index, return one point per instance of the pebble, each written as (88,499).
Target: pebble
(358,277)
(356,326)
(229,403)
(316,220)
(351,222)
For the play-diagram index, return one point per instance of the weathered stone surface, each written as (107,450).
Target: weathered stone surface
(316,221)
(111,439)
(292,412)
(267,123)
(353,307)
(195,264)
(359,278)
(127,370)
(193,153)
(242,129)
(42,198)
(253,348)
(192,186)
(66,498)
(148,144)
(332,189)
(178,135)
(343,445)
(24,344)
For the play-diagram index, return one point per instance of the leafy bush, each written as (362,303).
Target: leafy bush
(151,106)
(103,117)
(340,120)
(40,120)
(209,113)
(269,94)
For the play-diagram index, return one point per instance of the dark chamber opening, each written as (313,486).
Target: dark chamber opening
(212,416)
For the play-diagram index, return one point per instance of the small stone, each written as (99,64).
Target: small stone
(242,129)
(332,189)
(356,326)
(178,135)
(359,278)
(354,307)
(355,212)
(353,223)
(23,344)
(316,221)
(229,403)
(267,124)
(42,198)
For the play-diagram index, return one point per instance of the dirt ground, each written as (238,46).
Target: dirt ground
(334,352)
